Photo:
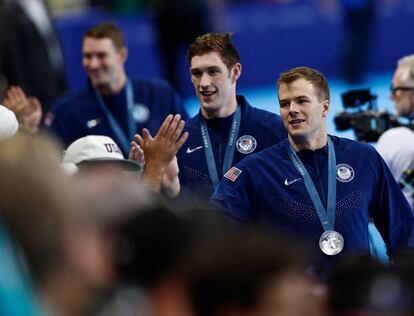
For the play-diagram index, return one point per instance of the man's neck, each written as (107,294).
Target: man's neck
(113,88)
(314,143)
(222,112)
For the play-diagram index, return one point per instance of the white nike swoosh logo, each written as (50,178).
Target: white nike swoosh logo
(189,151)
(287,182)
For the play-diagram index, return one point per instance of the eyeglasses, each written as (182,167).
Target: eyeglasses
(395,89)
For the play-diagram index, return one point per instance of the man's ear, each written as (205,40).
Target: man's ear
(123,54)
(326,105)
(236,72)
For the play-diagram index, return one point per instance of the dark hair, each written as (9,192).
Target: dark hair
(107,30)
(233,270)
(316,78)
(215,42)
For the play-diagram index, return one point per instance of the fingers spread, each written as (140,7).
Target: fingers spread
(164,126)
(147,135)
(181,141)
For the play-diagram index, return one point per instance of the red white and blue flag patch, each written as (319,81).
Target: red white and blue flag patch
(233,173)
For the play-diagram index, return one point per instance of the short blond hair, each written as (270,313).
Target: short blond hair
(316,78)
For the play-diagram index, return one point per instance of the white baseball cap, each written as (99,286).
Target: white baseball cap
(8,123)
(95,149)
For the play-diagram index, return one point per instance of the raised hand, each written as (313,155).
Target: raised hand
(136,154)
(159,151)
(165,145)
(31,120)
(28,110)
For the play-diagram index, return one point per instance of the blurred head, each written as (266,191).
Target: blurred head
(402,88)
(215,68)
(34,198)
(104,55)
(57,231)
(248,274)
(304,103)
(361,285)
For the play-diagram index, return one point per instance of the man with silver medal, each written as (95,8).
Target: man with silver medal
(321,189)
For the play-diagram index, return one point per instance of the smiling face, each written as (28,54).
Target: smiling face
(214,84)
(104,64)
(303,114)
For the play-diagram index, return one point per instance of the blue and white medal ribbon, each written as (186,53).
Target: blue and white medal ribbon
(330,242)
(113,123)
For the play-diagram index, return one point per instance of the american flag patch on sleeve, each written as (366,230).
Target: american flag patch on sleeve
(233,173)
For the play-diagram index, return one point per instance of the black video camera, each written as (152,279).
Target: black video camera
(361,114)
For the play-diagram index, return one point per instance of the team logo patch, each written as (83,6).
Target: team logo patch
(344,172)
(140,113)
(233,173)
(246,144)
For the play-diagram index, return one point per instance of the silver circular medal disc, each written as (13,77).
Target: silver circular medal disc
(331,242)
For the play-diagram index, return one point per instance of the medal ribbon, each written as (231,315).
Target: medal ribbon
(327,217)
(231,144)
(113,123)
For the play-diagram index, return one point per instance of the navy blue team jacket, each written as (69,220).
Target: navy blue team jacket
(258,127)
(270,192)
(79,115)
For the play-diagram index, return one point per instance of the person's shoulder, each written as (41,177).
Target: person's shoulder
(264,120)
(395,134)
(259,117)
(256,112)
(267,155)
(69,101)
(353,146)
(152,83)
(193,122)
(264,114)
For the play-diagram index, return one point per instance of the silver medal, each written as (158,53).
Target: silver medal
(331,242)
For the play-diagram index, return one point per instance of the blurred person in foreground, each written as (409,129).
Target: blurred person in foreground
(318,189)
(112,104)
(17,295)
(245,274)
(361,285)
(63,224)
(396,145)
(59,238)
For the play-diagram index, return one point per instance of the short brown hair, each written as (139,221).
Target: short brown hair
(316,78)
(107,30)
(215,42)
